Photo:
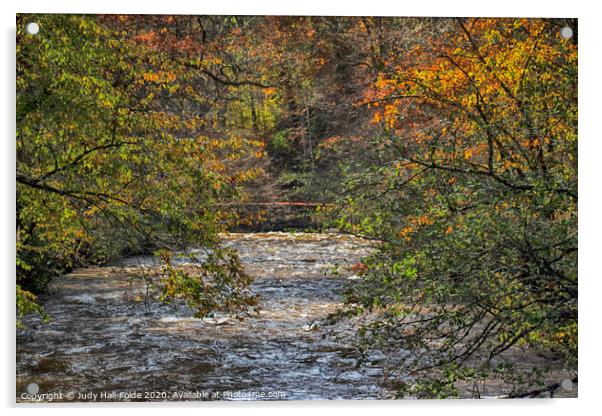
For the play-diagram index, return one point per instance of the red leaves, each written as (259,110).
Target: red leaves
(359,268)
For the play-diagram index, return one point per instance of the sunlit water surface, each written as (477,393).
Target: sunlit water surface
(102,340)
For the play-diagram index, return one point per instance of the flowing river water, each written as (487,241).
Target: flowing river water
(104,345)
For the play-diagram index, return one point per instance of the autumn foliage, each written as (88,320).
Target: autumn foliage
(115,156)
(449,143)
(476,204)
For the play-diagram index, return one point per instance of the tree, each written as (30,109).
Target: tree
(112,159)
(476,207)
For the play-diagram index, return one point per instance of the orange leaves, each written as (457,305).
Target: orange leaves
(424,220)
(477,82)
(388,114)
(148,37)
(532,143)
(359,268)
(405,232)
(149,76)
(159,77)
(414,223)
(268,92)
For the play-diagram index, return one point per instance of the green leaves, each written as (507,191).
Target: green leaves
(110,160)
(478,217)
(26,304)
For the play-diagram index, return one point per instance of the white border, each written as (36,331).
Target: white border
(590,156)
(552,8)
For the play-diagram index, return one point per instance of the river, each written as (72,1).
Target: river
(105,344)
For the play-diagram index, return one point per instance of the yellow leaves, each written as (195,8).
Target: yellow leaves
(159,77)
(268,92)
(91,211)
(245,176)
(467,154)
(518,23)
(390,115)
(256,143)
(502,206)
(83,24)
(469,100)
(377,118)
(390,110)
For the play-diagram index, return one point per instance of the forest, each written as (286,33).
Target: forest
(449,145)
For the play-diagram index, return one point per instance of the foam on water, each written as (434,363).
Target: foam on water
(104,336)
